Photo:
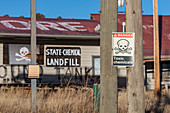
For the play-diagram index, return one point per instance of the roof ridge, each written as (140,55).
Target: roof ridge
(47,18)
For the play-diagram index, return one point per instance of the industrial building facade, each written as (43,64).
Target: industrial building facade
(67,47)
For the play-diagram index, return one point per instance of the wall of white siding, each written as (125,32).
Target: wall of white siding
(49,73)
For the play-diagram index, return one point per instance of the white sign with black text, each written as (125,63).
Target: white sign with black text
(123,48)
(63,56)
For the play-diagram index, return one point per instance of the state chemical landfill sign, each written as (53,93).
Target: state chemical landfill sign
(63,56)
(123,49)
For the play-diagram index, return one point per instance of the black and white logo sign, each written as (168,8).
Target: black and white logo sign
(123,49)
(21,53)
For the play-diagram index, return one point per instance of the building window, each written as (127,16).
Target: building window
(96,65)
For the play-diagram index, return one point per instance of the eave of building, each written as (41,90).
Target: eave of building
(151,58)
(51,36)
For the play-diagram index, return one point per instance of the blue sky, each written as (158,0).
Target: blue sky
(69,8)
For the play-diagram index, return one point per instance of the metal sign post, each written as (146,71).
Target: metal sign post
(33,53)
(121,3)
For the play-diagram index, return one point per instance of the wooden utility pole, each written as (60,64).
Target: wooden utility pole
(156,48)
(135,85)
(108,76)
(33,53)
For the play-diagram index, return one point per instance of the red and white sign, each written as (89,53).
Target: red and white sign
(123,49)
(127,35)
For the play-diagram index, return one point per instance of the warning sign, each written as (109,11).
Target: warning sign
(123,49)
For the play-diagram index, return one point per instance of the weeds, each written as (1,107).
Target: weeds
(71,100)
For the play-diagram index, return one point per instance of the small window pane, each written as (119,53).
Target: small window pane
(96,66)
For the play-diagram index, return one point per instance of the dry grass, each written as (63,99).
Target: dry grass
(157,105)
(152,104)
(69,100)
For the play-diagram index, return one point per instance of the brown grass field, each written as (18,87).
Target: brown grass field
(71,100)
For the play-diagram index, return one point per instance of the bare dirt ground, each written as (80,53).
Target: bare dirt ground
(71,100)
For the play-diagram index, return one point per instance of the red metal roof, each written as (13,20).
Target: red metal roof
(164,32)
(89,27)
(49,26)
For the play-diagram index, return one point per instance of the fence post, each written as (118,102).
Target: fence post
(96,97)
